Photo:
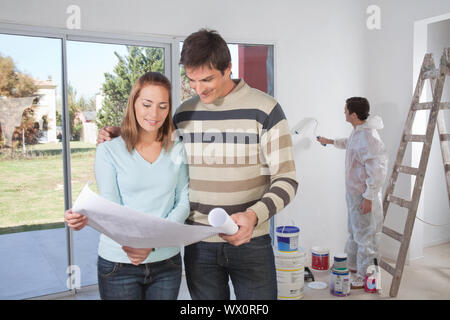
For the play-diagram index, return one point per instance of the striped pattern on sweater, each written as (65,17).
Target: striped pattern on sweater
(240,156)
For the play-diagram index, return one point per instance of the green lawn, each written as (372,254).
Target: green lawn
(32,187)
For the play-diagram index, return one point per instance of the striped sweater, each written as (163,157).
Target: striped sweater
(240,156)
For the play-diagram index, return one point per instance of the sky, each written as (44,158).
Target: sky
(41,57)
(87,62)
(37,57)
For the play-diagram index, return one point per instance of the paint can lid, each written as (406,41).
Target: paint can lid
(340,257)
(317,285)
(299,252)
(288,229)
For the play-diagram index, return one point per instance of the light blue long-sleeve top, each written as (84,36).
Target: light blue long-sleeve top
(160,188)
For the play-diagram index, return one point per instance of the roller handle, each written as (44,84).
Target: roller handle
(321,143)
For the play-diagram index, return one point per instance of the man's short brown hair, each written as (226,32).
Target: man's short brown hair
(205,48)
(358,105)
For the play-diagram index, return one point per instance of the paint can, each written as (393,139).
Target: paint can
(290,269)
(340,282)
(320,258)
(340,261)
(287,238)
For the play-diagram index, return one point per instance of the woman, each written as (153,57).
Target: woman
(141,170)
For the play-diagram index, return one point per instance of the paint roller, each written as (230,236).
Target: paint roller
(303,125)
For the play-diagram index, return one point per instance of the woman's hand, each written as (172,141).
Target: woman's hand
(136,256)
(74,220)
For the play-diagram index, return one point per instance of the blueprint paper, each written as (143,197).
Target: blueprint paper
(135,229)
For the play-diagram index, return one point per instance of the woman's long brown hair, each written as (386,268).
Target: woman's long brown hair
(129,129)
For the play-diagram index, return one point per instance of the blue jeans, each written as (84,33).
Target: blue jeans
(250,266)
(150,281)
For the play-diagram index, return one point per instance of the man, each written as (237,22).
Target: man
(365,172)
(240,159)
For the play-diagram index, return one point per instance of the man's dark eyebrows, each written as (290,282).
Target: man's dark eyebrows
(205,79)
(208,78)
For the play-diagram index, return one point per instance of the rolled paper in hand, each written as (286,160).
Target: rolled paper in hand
(219,218)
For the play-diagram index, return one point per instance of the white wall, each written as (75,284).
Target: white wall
(324,53)
(436,204)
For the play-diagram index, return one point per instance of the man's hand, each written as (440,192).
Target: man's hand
(366,206)
(325,141)
(246,222)
(136,256)
(107,133)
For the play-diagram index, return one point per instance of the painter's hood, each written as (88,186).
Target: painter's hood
(372,122)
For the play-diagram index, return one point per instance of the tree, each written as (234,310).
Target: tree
(117,86)
(186,90)
(14,83)
(76,105)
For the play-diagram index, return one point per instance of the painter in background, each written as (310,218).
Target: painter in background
(365,173)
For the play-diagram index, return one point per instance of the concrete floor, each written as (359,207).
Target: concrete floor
(424,279)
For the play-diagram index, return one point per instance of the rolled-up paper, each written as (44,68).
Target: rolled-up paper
(219,218)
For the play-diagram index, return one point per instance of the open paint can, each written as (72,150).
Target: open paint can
(287,238)
(320,258)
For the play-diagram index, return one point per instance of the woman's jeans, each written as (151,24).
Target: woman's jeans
(250,266)
(151,281)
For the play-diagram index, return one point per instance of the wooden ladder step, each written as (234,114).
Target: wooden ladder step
(415,137)
(429,105)
(399,201)
(422,106)
(392,233)
(386,266)
(444,137)
(431,74)
(408,170)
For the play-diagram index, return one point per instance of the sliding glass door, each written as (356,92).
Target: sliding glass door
(56,91)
